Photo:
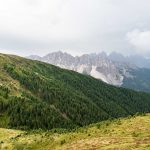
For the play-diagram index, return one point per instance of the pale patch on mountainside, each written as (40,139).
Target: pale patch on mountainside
(97,74)
(109,78)
(118,80)
(81,68)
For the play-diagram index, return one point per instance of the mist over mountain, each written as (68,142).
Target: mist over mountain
(138,60)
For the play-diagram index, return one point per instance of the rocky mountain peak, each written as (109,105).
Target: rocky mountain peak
(96,65)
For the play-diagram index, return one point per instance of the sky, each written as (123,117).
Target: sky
(39,27)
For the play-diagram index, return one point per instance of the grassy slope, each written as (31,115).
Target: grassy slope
(49,97)
(123,134)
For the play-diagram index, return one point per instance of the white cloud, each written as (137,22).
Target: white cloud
(5,51)
(140,40)
(77,26)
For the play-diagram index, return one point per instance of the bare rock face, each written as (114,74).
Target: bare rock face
(97,65)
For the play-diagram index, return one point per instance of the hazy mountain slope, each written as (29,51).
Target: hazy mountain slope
(124,133)
(137,60)
(140,80)
(38,95)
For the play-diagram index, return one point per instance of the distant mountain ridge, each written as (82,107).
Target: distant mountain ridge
(96,65)
(137,60)
(114,69)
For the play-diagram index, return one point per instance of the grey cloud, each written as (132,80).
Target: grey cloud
(75,26)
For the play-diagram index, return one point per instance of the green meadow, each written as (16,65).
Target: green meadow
(117,134)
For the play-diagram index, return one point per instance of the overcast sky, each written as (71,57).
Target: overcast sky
(75,26)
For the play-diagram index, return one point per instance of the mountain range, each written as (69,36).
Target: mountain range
(35,95)
(125,71)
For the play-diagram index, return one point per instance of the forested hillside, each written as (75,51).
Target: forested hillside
(38,95)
